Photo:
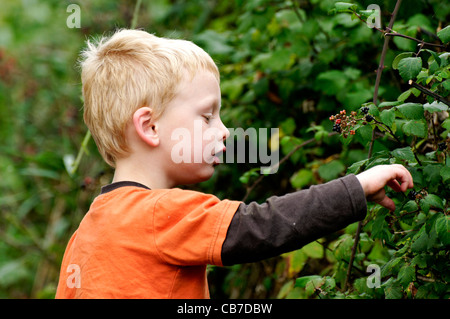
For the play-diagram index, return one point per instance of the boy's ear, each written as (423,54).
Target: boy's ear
(145,126)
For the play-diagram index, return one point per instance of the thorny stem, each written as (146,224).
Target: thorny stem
(421,42)
(375,99)
(392,33)
(387,128)
(428,92)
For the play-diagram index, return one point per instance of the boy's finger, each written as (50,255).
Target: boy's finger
(395,185)
(387,203)
(403,178)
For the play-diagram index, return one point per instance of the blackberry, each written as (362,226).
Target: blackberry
(365,110)
(337,128)
(369,118)
(412,195)
(442,146)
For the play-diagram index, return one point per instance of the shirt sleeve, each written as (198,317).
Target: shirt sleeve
(286,223)
(190,227)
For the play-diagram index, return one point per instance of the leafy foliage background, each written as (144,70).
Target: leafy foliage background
(285,64)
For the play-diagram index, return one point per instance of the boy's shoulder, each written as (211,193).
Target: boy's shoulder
(173,197)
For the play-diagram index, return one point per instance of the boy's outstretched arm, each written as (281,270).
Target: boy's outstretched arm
(285,223)
(373,181)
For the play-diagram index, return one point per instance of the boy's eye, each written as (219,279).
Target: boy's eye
(207,117)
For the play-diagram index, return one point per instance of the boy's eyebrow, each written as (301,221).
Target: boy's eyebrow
(216,104)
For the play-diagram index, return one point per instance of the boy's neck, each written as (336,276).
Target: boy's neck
(128,170)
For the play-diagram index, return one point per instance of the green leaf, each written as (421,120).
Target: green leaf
(233,88)
(435,56)
(435,107)
(288,126)
(215,43)
(285,290)
(390,103)
(380,228)
(426,291)
(432,174)
(313,284)
(409,68)
(405,153)
(329,284)
(247,175)
(420,261)
(387,268)
(356,167)
(416,174)
(281,59)
(445,174)
(244,179)
(393,291)
(420,240)
(406,275)
(313,250)
(444,34)
(388,117)
(430,201)
(331,170)
(400,57)
(416,128)
(446,84)
(331,82)
(345,6)
(446,124)
(302,178)
(402,97)
(443,229)
(296,260)
(365,132)
(303,281)
(412,111)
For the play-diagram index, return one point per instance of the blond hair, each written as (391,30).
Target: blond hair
(129,70)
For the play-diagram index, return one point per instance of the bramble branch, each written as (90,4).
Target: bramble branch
(387,128)
(421,42)
(392,33)
(375,100)
(426,91)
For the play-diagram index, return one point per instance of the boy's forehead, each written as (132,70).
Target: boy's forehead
(203,86)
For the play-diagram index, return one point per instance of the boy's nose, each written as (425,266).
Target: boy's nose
(225,131)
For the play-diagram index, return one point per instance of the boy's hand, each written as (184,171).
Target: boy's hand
(373,181)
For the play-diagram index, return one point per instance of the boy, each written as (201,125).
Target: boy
(145,238)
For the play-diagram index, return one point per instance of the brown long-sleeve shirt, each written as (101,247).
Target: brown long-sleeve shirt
(285,223)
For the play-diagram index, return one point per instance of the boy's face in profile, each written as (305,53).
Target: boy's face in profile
(191,132)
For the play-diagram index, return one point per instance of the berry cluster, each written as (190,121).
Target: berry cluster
(413,195)
(368,117)
(344,123)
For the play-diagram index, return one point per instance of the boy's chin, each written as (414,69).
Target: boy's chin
(197,173)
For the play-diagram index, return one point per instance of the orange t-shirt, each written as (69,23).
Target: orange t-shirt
(140,243)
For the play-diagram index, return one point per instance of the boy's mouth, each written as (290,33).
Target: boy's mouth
(216,159)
